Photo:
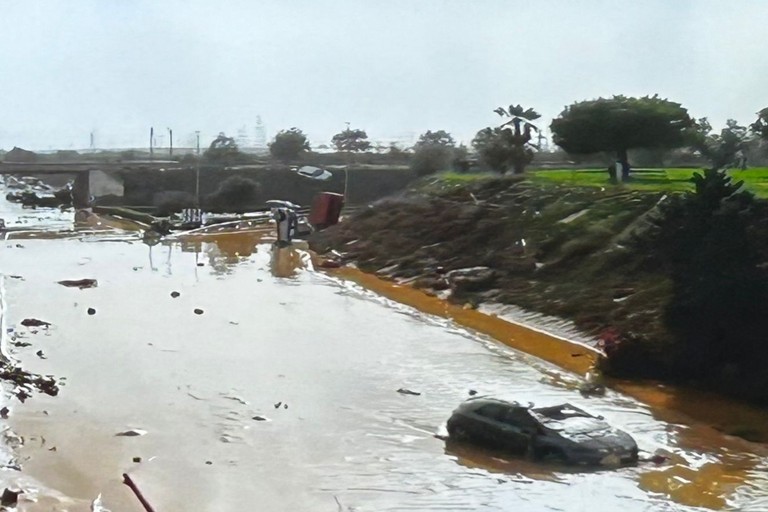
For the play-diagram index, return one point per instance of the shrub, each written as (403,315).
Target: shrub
(172,201)
(235,194)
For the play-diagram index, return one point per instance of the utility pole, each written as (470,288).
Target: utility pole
(170,148)
(197,171)
(151,141)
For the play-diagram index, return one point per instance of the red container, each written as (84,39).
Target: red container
(326,209)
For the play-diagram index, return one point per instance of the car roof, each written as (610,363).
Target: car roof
(474,403)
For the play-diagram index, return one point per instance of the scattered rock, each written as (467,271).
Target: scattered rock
(34,322)
(52,449)
(79,283)
(132,433)
(209,462)
(198,311)
(4,413)
(91,311)
(175,294)
(201,264)
(278,404)
(404,391)
(41,354)
(259,418)
(472,392)
(137,459)
(22,395)
(471,278)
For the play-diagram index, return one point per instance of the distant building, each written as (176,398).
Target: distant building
(260,136)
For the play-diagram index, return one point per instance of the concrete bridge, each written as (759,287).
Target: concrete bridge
(81,171)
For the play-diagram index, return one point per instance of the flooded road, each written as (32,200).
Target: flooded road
(256,333)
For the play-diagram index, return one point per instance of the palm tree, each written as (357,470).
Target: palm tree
(517,133)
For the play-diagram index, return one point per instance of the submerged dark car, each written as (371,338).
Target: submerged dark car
(561,432)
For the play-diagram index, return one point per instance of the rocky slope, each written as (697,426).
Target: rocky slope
(559,251)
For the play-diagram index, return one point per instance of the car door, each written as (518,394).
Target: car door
(519,429)
(490,428)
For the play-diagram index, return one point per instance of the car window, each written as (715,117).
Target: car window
(520,417)
(493,411)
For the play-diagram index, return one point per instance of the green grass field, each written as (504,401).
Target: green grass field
(674,180)
(653,180)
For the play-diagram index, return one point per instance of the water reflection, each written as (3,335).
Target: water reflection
(285,261)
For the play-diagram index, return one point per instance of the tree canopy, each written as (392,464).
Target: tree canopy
(289,144)
(436,138)
(720,149)
(224,150)
(621,123)
(433,151)
(760,127)
(351,141)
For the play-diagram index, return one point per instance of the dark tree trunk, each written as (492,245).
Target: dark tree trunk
(621,156)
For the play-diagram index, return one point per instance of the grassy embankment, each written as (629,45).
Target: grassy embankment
(559,242)
(650,180)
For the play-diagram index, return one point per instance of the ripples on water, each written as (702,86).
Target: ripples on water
(274,333)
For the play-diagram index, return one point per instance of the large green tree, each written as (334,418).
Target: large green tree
(509,145)
(619,124)
(288,145)
(352,141)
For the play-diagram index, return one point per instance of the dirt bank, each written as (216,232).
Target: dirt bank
(560,251)
(552,250)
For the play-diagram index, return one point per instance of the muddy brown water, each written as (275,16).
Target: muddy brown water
(273,331)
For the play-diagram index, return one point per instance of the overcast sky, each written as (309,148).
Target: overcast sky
(393,68)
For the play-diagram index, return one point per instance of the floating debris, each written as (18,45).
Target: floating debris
(34,322)
(175,294)
(91,311)
(198,311)
(404,391)
(132,433)
(10,497)
(79,283)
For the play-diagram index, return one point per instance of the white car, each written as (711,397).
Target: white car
(314,173)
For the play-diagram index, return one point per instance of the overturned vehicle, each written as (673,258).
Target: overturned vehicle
(563,433)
